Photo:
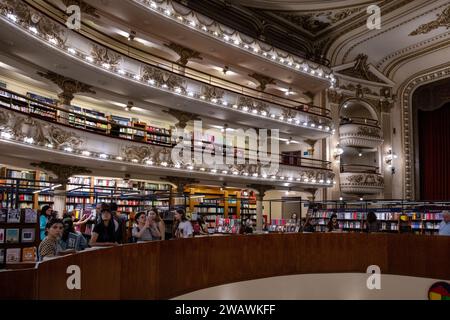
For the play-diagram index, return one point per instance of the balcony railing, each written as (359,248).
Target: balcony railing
(124,48)
(105,127)
(359,168)
(359,120)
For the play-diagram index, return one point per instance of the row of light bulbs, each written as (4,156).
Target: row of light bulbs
(30,140)
(255,48)
(179,91)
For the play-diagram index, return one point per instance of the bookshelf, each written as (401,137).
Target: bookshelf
(87,119)
(248,207)
(392,220)
(19,227)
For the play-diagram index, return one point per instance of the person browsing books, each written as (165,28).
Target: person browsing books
(44,218)
(104,233)
(444,227)
(49,247)
(333,224)
(184,228)
(145,230)
(69,233)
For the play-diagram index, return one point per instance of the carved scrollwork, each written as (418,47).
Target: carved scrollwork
(102,55)
(140,153)
(212,93)
(161,78)
(62,172)
(62,138)
(253,104)
(442,20)
(366,179)
(30,17)
(41,132)
(369,132)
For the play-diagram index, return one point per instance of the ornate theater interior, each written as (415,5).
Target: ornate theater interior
(268,132)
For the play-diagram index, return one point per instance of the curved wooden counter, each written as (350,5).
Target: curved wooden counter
(165,269)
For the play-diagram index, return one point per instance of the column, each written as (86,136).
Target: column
(261,191)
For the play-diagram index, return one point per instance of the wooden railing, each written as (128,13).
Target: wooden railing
(166,269)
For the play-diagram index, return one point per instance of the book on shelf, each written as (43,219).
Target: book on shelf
(225,225)
(12,235)
(3,214)
(2,235)
(28,235)
(29,254)
(12,255)
(2,256)
(30,215)
(13,216)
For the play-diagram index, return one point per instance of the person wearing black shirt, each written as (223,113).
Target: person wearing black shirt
(106,232)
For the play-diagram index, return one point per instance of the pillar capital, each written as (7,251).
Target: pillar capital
(68,86)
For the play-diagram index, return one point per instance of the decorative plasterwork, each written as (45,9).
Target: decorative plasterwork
(360,70)
(406,92)
(253,104)
(35,20)
(68,85)
(263,80)
(315,22)
(357,135)
(160,79)
(61,171)
(139,153)
(183,117)
(105,57)
(185,54)
(442,20)
(41,132)
(361,183)
(212,94)
(164,79)
(195,21)
(384,30)
(30,135)
(84,7)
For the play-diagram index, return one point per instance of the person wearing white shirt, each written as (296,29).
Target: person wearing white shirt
(444,227)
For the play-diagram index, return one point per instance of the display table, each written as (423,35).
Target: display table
(166,269)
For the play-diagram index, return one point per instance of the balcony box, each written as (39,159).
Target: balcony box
(360,135)
(361,183)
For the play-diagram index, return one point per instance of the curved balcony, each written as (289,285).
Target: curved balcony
(119,71)
(361,180)
(360,133)
(32,127)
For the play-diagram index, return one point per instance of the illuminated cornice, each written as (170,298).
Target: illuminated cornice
(217,31)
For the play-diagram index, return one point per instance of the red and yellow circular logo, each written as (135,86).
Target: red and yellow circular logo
(439,291)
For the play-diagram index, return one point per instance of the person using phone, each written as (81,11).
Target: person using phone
(184,229)
(145,229)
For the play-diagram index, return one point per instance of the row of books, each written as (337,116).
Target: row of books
(25,215)
(16,255)
(209,210)
(16,235)
(80,200)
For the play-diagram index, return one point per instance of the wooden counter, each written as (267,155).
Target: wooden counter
(165,269)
